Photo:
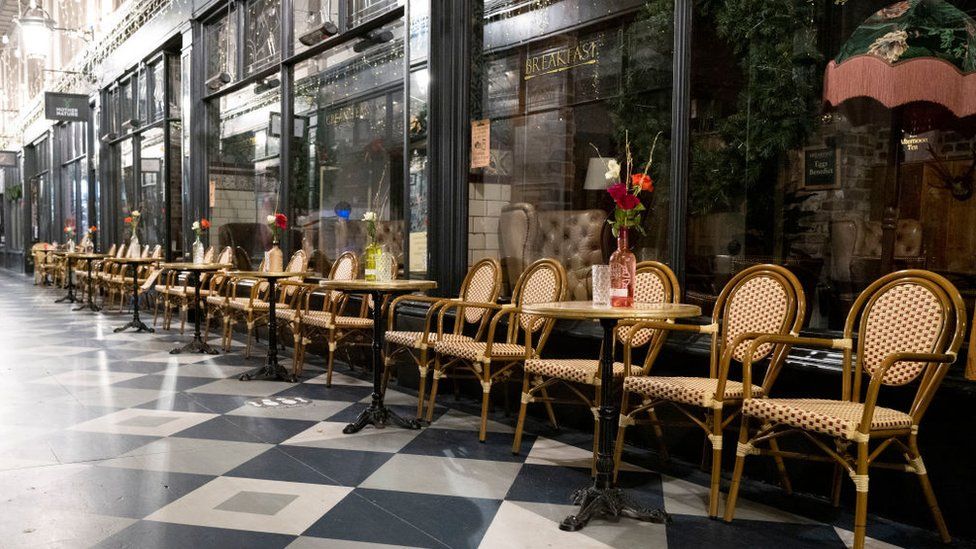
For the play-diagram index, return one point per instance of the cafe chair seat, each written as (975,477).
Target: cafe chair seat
(244,303)
(478,350)
(904,328)
(481,284)
(356,322)
(696,391)
(575,370)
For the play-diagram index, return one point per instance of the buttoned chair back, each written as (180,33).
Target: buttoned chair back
(912,311)
(542,282)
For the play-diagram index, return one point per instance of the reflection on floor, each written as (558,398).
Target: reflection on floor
(107,440)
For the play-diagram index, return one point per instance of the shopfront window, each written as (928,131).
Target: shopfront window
(315,20)
(42,199)
(350,123)
(554,110)
(220,42)
(797,160)
(262,39)
(244,170)
(152,187)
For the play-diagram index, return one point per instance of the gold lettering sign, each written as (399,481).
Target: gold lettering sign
(348,114)
(563,59)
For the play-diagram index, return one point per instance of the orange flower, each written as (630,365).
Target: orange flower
(93,229)
(204,223)
(643,181)
(127,220)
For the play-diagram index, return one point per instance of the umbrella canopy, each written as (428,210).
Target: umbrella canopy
(914,51)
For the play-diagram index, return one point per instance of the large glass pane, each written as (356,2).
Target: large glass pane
(349,117)
(314,21)
(244,171)
(262,41)
(157,90)
(152,187)
(128,195)
(220,39)
(555,110)
(816,173)
(361,11)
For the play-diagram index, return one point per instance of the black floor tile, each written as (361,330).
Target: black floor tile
(160,535)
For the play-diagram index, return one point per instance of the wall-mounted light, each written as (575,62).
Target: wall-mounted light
(214,83)
(36,27)
(319,33)
(130,124)
(110,136)
(266,84)
(372,38)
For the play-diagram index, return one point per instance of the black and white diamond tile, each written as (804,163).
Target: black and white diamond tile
(107,440)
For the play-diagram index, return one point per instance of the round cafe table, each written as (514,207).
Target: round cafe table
(68,257)
(89,258)
(377,414)
(134,263)
(194,272)
(602,499)
(271,369)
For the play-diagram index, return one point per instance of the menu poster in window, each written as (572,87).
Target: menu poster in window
(820,168)
(480,144)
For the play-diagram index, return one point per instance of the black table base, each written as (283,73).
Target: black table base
(139,325)
(70,298)
(271,371)
(377,414)
(198,345)
(602,499)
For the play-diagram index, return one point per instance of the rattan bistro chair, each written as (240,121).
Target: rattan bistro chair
(253,309)
(306,322)
(763,299)
(910,325)
(490,361)
(655,283)
(482,284)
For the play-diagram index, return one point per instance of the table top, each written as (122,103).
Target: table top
(587,310)
(134,260)
(80,255)
(185,266)
(270,274)
(359,285)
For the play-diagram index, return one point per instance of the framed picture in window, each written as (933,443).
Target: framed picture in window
(820,168)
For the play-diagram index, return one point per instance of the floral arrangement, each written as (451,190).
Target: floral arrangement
(626,192)
(69,231)
(132,220)
(92,230)
(277,222)
(370,219)
(200,227)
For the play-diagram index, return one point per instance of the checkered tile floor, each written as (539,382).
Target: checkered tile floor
(107,440)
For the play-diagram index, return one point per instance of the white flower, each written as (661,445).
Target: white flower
(196,226)
(271,219)
(613,170)
(369,216)
(135,213)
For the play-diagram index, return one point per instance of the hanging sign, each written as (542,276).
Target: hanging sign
(480,144)
(71,107)
(8,159)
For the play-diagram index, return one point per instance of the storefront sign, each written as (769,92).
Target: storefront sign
(820,168)
(8,159)
(480,144)
(562,59)
(66,107)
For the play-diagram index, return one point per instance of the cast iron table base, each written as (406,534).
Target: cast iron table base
(90,304)
(70,298)
(377,414)
(197,345)
(135,322)
(271,371)
(601,499)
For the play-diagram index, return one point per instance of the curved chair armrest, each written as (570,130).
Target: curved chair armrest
(455,303)
(871,397)
(296,295)
(434,303)
(503,311)
(234,281)
(758,340)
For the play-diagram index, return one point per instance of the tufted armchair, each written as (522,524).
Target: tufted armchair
(856,248)
(340,235)
(575,238)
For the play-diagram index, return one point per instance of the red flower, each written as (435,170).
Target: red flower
(643,181)
(127,220)
(93,228)
(628,202)
(204,223)
(617,191)
(281,221)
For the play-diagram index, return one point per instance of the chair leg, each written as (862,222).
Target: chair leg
(861,503)
(435,382)
(485,401)
(659,433)
(836,488)
(184,312)
(250,336)
(618,447)
(206,323)
(596,432)
(520,424)
(740,459)
(156,312)
(422,366)
(716,442)
(297,361)
(331,360)
(549,411)
(228,330)
(930,500)
(784,478)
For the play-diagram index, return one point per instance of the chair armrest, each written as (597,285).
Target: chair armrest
(758,340)
(454,304)
(871,397)
(434,304)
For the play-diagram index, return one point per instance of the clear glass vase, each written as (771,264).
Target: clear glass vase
(135,249)
(198,251)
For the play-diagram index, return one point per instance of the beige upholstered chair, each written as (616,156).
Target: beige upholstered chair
(655,283)
(490,361)
(763,299)
(306,322)
(253,309)
(909,325)
(482,284)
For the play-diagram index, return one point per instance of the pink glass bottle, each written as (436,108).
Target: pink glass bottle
(623,267)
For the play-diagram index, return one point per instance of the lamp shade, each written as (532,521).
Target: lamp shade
(36,27)
(596,174)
